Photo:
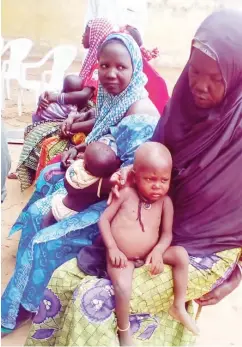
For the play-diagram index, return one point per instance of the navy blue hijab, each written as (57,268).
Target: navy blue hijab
(206,146)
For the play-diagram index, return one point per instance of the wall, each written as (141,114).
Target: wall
(46,22)
(171,24)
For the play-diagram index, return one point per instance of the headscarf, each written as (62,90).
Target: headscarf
(206,145)
(100,28)
(156,85)
(112,108)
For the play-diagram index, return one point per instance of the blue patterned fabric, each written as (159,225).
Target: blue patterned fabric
(112,108)
(41,251)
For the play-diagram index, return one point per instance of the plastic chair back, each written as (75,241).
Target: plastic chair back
(19,50)
(63,57)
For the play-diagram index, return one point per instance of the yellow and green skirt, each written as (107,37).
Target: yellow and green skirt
(79,310)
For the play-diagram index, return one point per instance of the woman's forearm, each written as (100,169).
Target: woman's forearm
(224,289)
(75,116)
(235,278)
(83,127)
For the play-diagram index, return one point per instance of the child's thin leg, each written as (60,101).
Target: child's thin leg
(48,220)
(122,283)
(177,257)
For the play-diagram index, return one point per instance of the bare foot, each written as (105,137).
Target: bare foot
(125,338)
(182,316)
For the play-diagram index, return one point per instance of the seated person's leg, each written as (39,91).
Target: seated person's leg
(177,257)
(122,282)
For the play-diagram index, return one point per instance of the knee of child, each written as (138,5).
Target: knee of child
(121,286)
(180,254)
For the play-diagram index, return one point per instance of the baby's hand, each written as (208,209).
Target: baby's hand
(117,258)
(155,261)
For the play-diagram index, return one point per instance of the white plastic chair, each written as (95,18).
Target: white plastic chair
(1,44)
(63,56)
(11,68)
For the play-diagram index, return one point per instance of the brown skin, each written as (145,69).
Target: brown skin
(86,38)
(151,176)
(126,242)
(79,98)
(134,32)
(123,178)
(115,68)
(205,80)
(73,94)
(122,76)
(100,161)
(219,293)
(78,122)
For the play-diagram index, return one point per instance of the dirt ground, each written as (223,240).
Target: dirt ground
(220,325)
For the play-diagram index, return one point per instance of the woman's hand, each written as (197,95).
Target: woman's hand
(155,261)
(119,180)
(46,98)
(66,125)
(52,97)
(68,156)
(117,258)
(217,294)
(43,101)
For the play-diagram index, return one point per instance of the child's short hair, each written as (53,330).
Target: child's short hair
(100,159)
(134,32)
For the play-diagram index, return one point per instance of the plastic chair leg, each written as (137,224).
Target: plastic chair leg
(8,88)
(2,95)
(20,101)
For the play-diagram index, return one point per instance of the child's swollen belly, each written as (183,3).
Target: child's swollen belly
(135,243)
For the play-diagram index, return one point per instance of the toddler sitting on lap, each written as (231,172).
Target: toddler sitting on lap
(137,229)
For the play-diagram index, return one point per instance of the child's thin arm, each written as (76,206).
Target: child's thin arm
(116,257)
(166,225)
(106,219)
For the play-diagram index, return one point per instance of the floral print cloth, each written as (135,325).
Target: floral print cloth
(78,310)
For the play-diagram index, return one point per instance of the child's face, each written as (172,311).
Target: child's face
(153,183)
(115,68)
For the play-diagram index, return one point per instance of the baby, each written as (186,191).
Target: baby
(83,182)
(137,229)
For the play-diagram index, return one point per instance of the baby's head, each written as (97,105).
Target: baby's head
(72,83)
(134,32)
(100,160)
(152,170)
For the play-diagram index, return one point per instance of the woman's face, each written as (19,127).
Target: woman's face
(205,80)
(86,38)
(115,68)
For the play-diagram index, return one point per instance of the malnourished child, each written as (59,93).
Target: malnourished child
(137,229)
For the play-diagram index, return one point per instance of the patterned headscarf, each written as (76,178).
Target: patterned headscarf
(100,28)
(112,108)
